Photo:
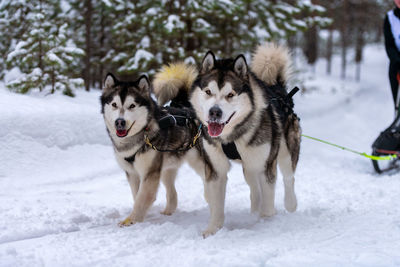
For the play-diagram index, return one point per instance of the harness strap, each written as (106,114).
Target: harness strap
(230,151)
(131,159)
(192,144)
(172,120)
(292,93)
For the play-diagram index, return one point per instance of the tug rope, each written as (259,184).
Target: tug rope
(388,157)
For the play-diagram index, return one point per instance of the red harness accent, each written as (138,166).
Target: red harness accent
(390,152)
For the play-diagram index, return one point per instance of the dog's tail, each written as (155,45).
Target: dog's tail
(272,64)
(173,82)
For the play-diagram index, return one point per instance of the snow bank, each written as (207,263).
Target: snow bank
(53,120)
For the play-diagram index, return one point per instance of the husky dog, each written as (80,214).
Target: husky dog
(248,115)
(152,142)
(250,111)
(174,82)
(135,125)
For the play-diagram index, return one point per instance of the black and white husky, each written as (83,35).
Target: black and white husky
(247,115)
(139,132)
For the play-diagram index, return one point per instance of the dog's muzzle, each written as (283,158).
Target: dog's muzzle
(120,126)
(214,114)
(215,126)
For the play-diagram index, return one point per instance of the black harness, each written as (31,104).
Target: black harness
(284,104)
(230,150)
(131,159)
(170,120)
(177,115)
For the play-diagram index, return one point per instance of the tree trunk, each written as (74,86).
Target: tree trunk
(344,36)
(53,80)
(292,43)
(40,56)
(190,41)
(344,56)
(311,46)
(88,41)
(359,49)
(329,50)
(101,49)
(358,72)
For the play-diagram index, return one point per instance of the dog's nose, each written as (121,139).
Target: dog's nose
(120,123)
(215,113)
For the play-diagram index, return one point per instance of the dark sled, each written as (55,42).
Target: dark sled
(388,143)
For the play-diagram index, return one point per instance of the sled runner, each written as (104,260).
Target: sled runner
(381,166)
(388,142)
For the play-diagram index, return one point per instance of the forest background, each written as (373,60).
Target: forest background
(50,45)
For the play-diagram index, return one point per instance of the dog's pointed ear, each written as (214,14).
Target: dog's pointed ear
(144,84)
(109,82)
(240,66)
(208,62)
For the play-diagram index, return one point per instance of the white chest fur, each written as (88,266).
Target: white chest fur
(140,165)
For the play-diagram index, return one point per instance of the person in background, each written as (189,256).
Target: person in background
(391,29)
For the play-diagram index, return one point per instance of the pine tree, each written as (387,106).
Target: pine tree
(44,54)
(129,37)
(103,18)
(12,26)
(92,22)
(232,27)
(135,37)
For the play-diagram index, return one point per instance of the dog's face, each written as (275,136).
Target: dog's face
(221,95)
(125,106)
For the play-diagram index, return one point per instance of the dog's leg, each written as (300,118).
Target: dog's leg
(169,170)
(214,176)
(262,193)
(144,198)
(168,178)
(252,179)
(285,166)
(216,167)
(215,194)
(267,208)
(198,164)
(134,183)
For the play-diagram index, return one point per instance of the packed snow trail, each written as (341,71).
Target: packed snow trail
(62,192)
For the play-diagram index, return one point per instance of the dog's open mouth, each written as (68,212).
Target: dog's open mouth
(215,128)
(124,132)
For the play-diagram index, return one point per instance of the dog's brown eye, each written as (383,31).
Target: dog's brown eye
(114,105)
(230,95)
(132,106)
(208,92)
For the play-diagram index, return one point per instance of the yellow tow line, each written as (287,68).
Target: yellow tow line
(387,157)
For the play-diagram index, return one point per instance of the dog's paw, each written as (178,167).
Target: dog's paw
(290,203)
(167,212)
(268,213)
(127,222)
(210,231)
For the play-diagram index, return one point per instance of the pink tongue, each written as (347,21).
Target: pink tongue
(215,129)
(121,132)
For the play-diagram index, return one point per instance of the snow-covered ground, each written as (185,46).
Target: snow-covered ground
(62,193)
